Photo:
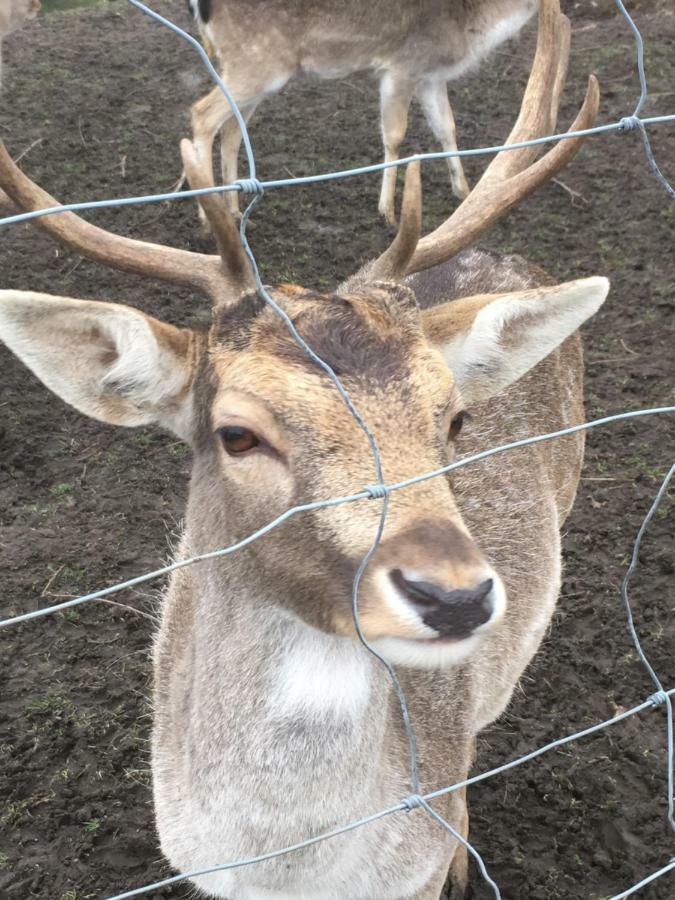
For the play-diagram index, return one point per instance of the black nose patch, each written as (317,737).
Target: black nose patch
(455,613)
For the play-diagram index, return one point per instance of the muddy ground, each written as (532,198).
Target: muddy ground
(96,100)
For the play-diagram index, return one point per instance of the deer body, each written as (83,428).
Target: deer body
(13,14)
(272,722)
(268,730)
(414,49)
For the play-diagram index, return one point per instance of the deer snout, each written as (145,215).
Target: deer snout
(451,612)
(432,597)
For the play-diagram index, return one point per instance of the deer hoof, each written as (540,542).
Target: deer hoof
(461,188)
(458,891)
(389,215)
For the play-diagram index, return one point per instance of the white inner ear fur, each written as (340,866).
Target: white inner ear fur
(514,332)
(108,361)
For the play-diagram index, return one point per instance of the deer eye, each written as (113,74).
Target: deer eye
(237,440)
(456,424)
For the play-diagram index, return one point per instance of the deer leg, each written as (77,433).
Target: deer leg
(395,97)
(208,115)
(433,95)
(230,142)
(433,889)
(459,867)
(248,84)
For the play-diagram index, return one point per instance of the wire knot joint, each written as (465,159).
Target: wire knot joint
(250,186)
(659,698)
(377,491)
(414,801)
(629,123)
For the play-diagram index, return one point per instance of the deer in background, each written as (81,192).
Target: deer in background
(272,723)
(13,14)
(415,48)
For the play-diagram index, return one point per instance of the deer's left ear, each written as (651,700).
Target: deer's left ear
(109,361)
(492,340)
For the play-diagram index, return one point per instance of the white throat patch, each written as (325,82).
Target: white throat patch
(321,676)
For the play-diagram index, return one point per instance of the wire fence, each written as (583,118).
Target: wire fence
(380,490)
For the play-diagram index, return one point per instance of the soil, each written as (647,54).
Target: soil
(96,100)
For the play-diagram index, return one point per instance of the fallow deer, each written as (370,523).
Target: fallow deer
(415,48)
(13,14)
(272,723)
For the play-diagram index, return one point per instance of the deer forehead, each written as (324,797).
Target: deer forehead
(378,352)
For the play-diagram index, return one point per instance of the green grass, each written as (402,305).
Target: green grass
(59,490)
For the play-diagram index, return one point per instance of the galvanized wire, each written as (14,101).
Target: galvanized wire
(381,490)
(636,641)
(626,123)
(365,494)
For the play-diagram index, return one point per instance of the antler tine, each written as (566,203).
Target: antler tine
(393,263)
(561,75)
(225,232)
(539,106)
(5,203)
(202,272)
(512,174)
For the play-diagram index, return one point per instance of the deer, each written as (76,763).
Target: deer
(272,723)
(413,48)
(13,14)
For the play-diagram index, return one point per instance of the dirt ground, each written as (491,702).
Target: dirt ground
(96,100)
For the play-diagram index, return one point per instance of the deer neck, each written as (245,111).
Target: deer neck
(268,671)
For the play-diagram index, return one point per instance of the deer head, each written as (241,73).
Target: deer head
(268,428)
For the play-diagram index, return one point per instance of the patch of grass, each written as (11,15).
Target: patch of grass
(139,776)
(74,573)
(142,439)
(13,812)
(60,711)
(60,490)
(179,449)
(647,468)
(91,826)
(71,615)
(40,509)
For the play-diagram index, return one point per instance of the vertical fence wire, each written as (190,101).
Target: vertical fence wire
(663,696)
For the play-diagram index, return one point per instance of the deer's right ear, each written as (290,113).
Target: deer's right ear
(108,361)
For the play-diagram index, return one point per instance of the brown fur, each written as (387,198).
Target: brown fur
(228,624)
(414,47)
(13,14)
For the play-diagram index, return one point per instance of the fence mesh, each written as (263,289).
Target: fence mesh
(380,490)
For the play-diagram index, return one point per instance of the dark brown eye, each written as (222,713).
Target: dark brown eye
(456,424)
(238,440)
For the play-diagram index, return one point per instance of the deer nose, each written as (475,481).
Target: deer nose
(454,613)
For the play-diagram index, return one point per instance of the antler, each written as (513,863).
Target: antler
(393,264)
(510,177)
(6,205)
(221,277)
(220,219)
(513,174)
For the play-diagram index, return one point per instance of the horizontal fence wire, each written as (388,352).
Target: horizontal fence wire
(380,489)
(369,492)
(626,123)
(406,804)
